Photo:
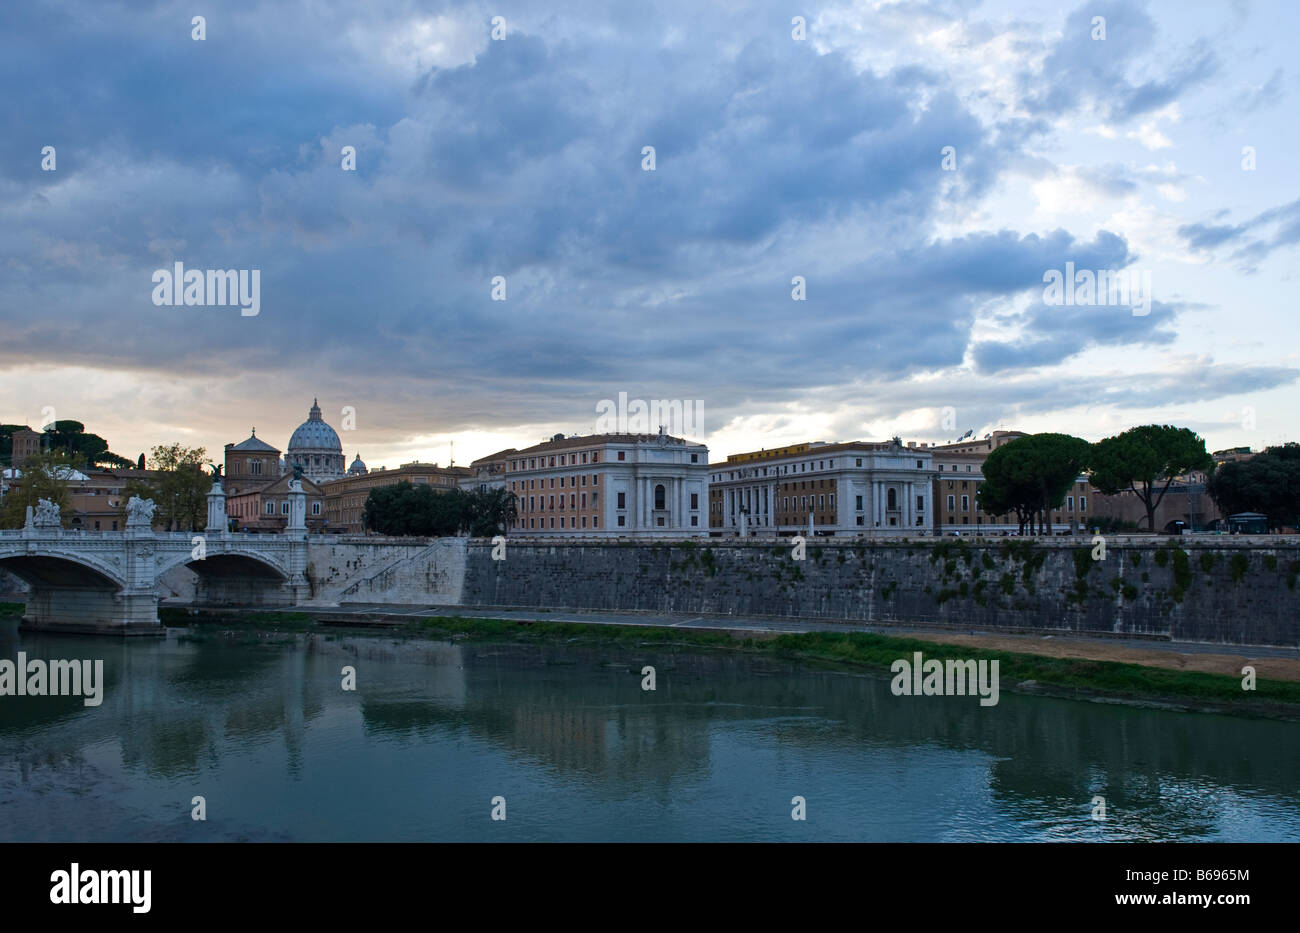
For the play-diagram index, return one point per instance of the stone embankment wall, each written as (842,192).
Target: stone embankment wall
(1207,589)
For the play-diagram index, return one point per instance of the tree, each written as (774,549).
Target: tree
(998,495)
(1031,475)
(109,459)
(1145,460)
(139,464)
(181,488)
(406,509)
(1268,482)
(71,436)
(44,476)
(492,512)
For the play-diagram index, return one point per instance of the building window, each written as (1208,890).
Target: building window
(965,503)
(595,479)
(661,496)
(595,521)
(622,520)
(859,461)
(552,461)
(584,457)
(561,521)
(584,479)
(695,521)
(595,456)
(284,508)
(695,458)
(315,508)
(584,521)
(858,505)
(893,499)
(573,500)
(622,501)
(255,467)
(920,464)
(860,520)
(561,482)
(584,500)
(1069,503)
(620,455)
(695,500)
(920,503)
(821,504)
(1083,503)
(951,503)
(832,500)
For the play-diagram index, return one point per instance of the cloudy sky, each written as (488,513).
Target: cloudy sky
(775,157)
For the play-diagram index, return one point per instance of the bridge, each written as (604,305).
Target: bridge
(107,582)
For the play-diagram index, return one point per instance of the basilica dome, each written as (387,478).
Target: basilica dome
(316,446)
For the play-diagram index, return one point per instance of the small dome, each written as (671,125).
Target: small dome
(358,468)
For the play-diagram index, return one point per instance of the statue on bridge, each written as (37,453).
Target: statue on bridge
(216,472)
(297,472)
(47,515)
(139,512)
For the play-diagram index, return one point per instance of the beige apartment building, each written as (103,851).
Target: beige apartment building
(633,485)
(26,444)
(487,473)
(265,509)
(959,469)
(859,488)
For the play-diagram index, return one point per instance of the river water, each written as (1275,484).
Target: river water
(259,725)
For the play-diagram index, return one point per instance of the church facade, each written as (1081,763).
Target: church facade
(256,475)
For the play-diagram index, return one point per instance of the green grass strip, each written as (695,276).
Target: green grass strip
(879,651)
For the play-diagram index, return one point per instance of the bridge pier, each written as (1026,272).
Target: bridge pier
(90,610)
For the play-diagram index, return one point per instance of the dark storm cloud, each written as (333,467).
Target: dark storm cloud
(773,160)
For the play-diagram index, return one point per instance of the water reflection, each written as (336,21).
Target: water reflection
(261,726)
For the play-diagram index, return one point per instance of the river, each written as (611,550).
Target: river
(259,725)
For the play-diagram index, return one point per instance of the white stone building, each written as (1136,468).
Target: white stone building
(613,485)
(857,488)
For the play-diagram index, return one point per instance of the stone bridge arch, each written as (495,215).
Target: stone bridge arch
(79,585)
(234,573)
